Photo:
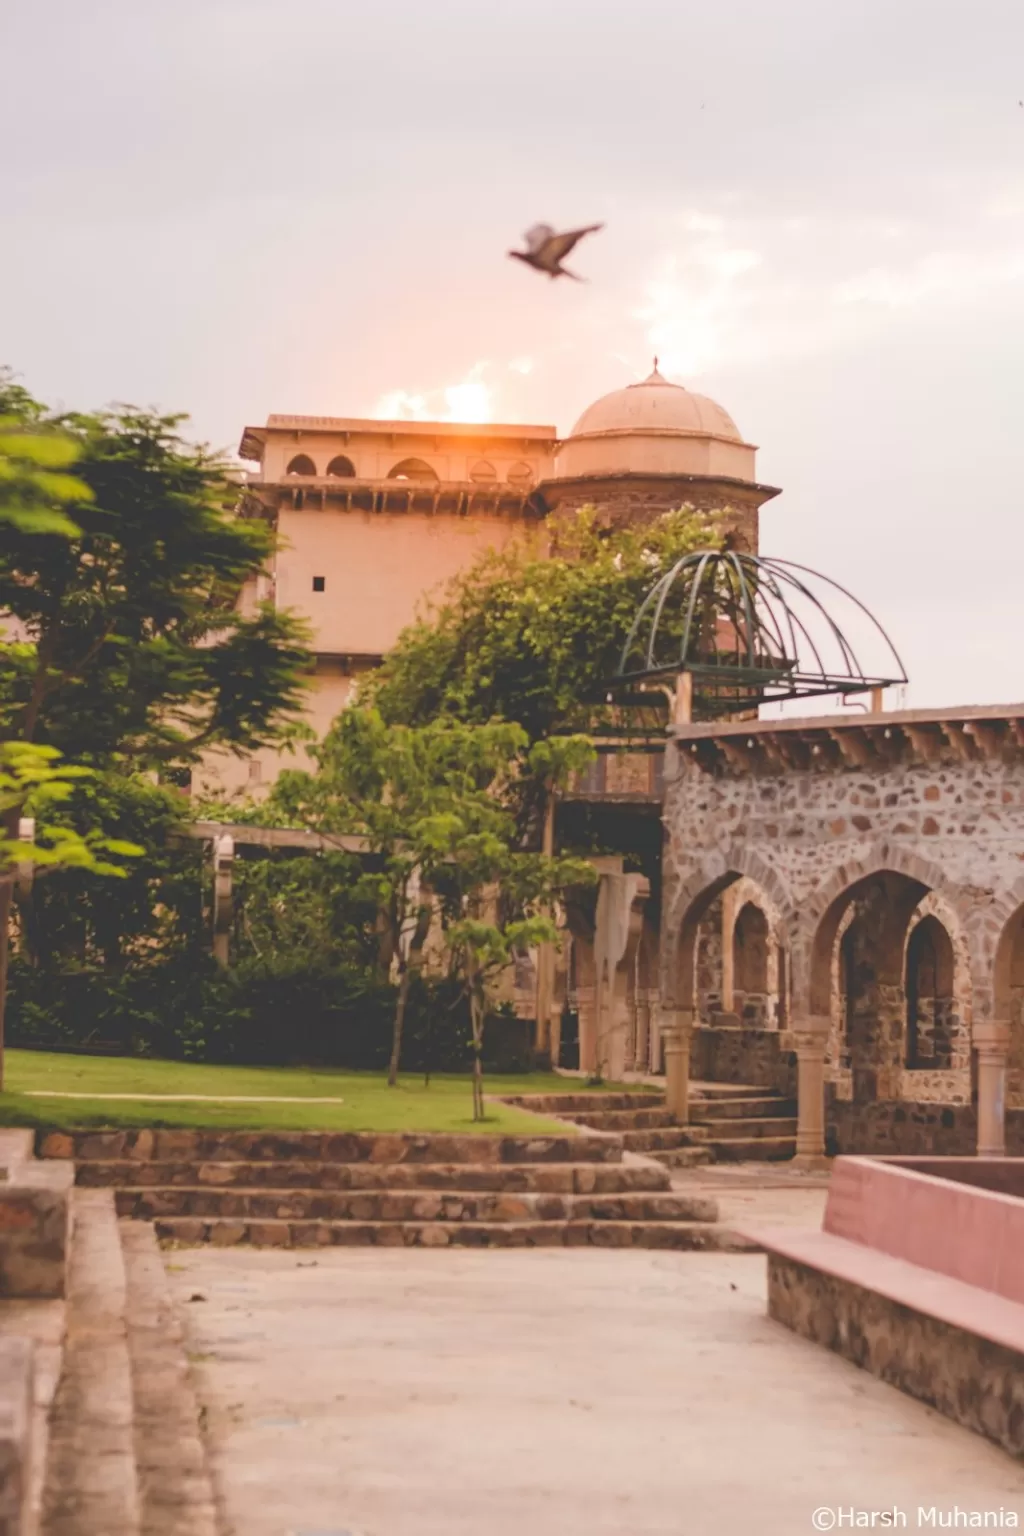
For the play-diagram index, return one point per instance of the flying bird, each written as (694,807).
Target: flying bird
(545,249)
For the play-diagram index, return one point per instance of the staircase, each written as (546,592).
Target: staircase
(740,1124)
(728,1122)
(125,1455)
(312,1190)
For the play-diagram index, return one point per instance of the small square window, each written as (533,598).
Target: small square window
(319,583)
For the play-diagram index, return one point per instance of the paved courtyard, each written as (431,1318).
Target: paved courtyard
(552,1393)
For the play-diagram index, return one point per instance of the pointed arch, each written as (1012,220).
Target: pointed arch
(413,469)
(302,464)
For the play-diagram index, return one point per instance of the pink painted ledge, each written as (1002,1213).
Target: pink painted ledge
(942,1235)
(909,1285)
(924,1210)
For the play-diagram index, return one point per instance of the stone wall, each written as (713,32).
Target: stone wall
(737,1055)
(929,803)
(965,818)
(34,1234)
(969,1379)
(902,1127)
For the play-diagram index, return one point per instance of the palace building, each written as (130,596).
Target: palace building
(374,517)
(824,911)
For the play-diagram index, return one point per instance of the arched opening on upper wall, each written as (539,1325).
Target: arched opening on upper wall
(520,474)
(341,467)
(302,464)
(413,469)
(482,472)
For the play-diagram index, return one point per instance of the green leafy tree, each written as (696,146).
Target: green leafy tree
(82,920)
(124,643)
(496,904)
(35,783)
(405,793)
(532,632)
(128,639)
(35,485)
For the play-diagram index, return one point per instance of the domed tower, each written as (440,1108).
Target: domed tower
(654,446)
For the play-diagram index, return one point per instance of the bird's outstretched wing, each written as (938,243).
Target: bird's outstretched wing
(559,246)
(537,236)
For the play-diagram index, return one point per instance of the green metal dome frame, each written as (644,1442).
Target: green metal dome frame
(751,630)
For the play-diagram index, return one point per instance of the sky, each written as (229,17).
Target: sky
(814,213)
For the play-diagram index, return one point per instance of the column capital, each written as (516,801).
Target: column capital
(810,1033)
(676,1024)
(991,1038)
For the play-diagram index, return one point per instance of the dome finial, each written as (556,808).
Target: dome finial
(655,377)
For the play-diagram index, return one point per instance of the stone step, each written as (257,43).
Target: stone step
(17,1424)
(704,1090)
(538,1178)
(322,1147)
(755,1149)
(190,1231)
(657,1140)
(621,1119)
(754,1108)
(683,1157)
(409,1206)
(175,1486)
(91,1482)
(743,1128)
(570,1103)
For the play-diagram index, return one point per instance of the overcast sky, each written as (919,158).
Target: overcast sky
(815,214)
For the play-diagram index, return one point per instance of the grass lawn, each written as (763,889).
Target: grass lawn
(369,1104)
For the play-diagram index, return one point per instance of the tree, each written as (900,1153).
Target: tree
(128,639)
(124,644)
(532,632)
(496,905)
(33,780)
(415,797)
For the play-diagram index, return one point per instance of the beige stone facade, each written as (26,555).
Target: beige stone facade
(375,517)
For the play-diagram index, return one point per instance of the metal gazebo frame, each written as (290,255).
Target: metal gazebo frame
(748,630)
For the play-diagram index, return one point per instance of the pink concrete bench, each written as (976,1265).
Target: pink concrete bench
(917,1276)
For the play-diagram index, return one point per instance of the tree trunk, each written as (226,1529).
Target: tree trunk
(411,964)
(476,1013)
(11,819)
(6,888)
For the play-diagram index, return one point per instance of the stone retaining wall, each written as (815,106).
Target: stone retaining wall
(726,1054)
(328,1147)
(34,1227)
(896,1126)
(970,1379)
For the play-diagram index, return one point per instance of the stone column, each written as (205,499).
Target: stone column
(676,1025)
(811,1036)
(654,1046)
(586,1011)
(992,1042)
(642,1035)
(223,860)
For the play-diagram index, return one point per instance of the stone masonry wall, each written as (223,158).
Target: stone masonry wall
(965,819)
(34,1228)
(808,828)
(944,1130)
(729,1055)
